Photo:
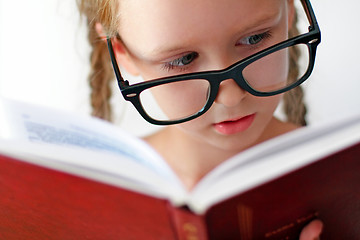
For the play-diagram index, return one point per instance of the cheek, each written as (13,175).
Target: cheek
(268,105)
(199,127)
(264,107)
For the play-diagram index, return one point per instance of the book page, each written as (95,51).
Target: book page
(273,159)
(34,124)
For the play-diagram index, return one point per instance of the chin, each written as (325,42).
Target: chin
(234,143)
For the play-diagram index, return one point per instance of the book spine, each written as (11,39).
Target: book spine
(188,225)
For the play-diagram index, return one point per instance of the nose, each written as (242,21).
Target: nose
(230,93)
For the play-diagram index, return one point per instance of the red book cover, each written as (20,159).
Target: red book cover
(41,203)
(328,189)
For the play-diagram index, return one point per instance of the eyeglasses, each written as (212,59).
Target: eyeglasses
(188,96)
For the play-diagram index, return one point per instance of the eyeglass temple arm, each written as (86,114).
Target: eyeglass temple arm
(121,82)
(310,14)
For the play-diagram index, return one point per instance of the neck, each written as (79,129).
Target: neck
(190,158)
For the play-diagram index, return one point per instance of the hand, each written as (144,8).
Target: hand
(312,231)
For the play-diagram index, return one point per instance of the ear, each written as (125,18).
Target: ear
(291,13)
(122,55)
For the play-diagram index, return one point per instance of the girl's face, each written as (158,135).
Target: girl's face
(162,38)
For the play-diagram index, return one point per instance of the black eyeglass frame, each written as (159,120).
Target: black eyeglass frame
(132,92)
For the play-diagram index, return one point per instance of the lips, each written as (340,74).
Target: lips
(234,126)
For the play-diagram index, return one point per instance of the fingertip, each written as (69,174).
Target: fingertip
(312,231)
(318,227)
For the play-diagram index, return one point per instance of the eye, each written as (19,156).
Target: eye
(182,61)
(254,39)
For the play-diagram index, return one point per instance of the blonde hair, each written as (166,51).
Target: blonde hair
(101,74)
(294,106)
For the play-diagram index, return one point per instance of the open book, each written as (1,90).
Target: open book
(64,176)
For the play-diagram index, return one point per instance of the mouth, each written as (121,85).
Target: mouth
(234,126)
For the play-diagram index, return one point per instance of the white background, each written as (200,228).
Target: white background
(44,60)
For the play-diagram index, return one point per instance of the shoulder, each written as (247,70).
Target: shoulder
(276,128)
(288,127)
(281,127)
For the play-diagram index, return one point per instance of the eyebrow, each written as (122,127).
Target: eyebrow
(269,17)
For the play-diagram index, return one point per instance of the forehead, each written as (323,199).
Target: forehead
(160,21)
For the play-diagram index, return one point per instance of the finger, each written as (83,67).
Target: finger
(312,231)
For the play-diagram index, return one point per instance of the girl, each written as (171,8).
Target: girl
(212,115)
